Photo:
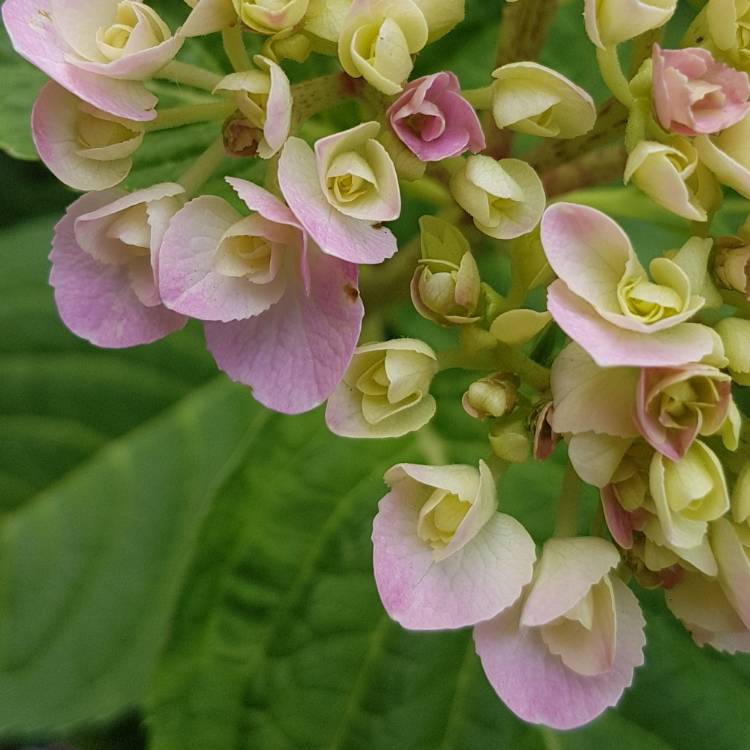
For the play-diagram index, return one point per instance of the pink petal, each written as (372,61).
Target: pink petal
(53,125)
(611,346)
(439,95)
(96,300)
(587,250)
(294,354)
(619,521)
(265,203)
(34,36)
(187,280)
(480,580)
(538,687)
(338,235)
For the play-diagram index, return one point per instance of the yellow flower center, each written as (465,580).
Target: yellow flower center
(440,517)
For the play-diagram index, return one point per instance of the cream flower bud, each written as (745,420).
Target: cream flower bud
(385,391)
(505,198)
(287,45)
(669,175)
(687,494)
(357,175)
(270,16)
(446,284)
(532,99)
(735,333)
(732,264)
(378,39)
(727,155)
(493,396)
(610,22)
(509,440)
(517,327)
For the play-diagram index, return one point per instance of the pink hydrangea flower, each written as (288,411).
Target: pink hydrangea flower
(567,650)
(443,556)
(281,316)
(675,405)
(694,93)
(434,121)
(100,50)
(82,146)
(104,253)
(606,301)
(340,190)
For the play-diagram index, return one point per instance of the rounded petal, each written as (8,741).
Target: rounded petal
(592,398)
(53,125)
(480,580)
(96,300)
(294,354)
(538,687)
(337,235)
(34,36)
(209,16)
(566,571)
(611,346)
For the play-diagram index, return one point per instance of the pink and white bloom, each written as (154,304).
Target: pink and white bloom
(567,650)
(675,405)
(694,93)
(281,316)
(340,190)
(99,50)
(434,121)
(264,96)
(104,256)
(443,556)
(82,146)
(606,302)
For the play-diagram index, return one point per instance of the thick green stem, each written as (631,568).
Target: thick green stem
(203,168)
(603,165)
(610,125)
(566,522)
(234,46)
(479,98)
(174,117)
(611,70)
(318,94)
(189,75)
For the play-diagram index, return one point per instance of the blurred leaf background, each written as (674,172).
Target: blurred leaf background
(183,570)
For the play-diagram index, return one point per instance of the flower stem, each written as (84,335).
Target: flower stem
(174,117)
(234,46)
(566,522)
(318,94)
(479,98)
(611,70)
(595,167)
(202,168)
(189,75)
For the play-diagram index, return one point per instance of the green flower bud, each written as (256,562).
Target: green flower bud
(493,396)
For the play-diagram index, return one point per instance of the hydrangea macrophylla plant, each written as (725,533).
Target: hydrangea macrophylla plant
(619,362)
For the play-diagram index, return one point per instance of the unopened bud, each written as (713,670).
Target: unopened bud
(509,440)
(544,437)
(493,396)
(732,264)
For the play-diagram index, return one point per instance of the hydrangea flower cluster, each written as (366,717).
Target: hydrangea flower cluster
(630,366)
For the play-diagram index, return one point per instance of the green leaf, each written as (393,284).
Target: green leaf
(20,85)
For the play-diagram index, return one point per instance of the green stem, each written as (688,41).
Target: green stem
(479,98)
(234,46)
(318,94)
(736,300)
(189,75)
(428,190)
(174,117)
(203,168)
(611,70)
(566,522)
(497,466)
(594,168)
